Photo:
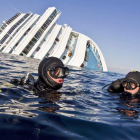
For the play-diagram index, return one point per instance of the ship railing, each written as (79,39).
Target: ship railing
(59,12)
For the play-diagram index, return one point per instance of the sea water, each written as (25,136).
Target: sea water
(80,110)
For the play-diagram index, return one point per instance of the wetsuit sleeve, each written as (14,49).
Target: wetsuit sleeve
(116,86)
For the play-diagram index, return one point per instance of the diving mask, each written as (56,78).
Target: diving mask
(130,84)
(58,71)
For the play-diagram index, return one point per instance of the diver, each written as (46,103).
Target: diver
(128,86)
(129,91)
(51,74)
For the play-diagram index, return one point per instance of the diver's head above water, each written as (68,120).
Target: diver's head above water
(131,82)
(51,73)
(130,85)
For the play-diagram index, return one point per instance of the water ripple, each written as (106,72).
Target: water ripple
(80,110)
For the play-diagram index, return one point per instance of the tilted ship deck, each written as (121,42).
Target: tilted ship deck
(36,36)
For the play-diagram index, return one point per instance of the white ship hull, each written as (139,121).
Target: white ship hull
(37,36)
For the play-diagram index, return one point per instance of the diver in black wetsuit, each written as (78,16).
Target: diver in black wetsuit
(51,73)
(128,86)
(129,89)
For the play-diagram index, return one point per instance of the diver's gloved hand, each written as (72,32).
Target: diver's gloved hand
(15,82)
(116,86)
(28,79)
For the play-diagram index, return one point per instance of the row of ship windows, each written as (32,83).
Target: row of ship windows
(3,26)
(39,33)
(39,46)
(48,53)
(13,18)
(21,37)
(8,22)
(12,28)
(57,39)
(20,21)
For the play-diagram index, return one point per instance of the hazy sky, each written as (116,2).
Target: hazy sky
(114,25)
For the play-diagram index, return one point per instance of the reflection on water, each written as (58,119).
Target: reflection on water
(80,110)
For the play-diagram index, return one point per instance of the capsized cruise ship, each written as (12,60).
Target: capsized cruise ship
(36,36)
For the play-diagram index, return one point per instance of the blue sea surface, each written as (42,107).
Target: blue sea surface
(80,110)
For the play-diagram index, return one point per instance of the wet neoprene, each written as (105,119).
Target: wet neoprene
(45,82)
(116,86)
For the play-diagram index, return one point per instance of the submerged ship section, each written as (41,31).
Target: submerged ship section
(92,58)
(39,37)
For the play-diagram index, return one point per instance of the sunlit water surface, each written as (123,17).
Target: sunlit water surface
(80,110)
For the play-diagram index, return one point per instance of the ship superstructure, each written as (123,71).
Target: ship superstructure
(36,36)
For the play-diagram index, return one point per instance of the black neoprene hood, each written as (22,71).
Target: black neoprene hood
(44,79)
(134,75)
